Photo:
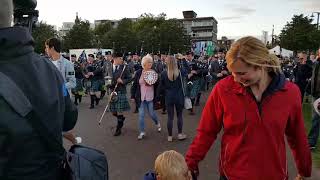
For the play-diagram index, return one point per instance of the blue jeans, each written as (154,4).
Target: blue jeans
(149,106)
(314,131)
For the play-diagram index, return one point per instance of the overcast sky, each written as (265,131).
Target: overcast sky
(235,17)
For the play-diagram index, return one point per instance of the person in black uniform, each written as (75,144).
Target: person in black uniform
(195,78)
(101,61)
(120,78)
(79,74)
(94,75)
(137,66)
(202,72)
(24,155)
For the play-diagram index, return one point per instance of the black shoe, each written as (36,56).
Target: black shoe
(196,104)
(91,106)
(136,111)
(97,101)
(75,103)
(163,112)
(118,132)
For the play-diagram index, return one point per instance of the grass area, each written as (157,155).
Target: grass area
(307,112)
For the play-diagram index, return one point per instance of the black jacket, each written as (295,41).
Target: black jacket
(171,89)
(23,155)
(126,78)
(136,89)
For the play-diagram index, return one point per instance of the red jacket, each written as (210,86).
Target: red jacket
(253,141)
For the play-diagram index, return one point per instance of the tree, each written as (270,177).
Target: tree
(100,32)
(158,34)
(40,34)
(300,34)
(123,38)
(80,36)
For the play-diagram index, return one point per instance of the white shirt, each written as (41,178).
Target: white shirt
(55,63)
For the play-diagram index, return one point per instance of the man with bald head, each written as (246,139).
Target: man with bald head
(29,80)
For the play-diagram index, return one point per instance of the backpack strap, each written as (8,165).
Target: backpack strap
(14,96)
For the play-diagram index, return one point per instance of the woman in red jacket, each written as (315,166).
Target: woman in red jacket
(256,108)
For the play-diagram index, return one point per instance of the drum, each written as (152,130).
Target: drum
(108,80)
(150,77)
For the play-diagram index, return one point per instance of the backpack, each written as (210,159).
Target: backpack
(80,162)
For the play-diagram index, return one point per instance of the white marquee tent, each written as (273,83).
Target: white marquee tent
(281,51)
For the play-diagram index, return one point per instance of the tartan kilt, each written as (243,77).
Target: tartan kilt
(195,88)
(121,105)
(79,87)
(95,85)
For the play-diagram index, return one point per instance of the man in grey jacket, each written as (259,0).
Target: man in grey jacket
(53,49)
(23,154)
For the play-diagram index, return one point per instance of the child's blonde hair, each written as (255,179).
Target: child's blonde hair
(171,165)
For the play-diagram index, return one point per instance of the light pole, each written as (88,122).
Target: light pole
(312,16)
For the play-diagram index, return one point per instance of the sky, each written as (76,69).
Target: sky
(235,17)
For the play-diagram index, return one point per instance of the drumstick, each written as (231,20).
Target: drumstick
(110,97)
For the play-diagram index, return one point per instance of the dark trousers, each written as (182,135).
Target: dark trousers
(163,103)
(170,109)
(315,129)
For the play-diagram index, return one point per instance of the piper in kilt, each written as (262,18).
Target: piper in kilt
(94,75)
(121,76)
(78,91)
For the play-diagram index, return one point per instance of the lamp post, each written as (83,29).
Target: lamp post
(312,16)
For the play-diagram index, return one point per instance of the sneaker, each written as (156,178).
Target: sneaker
(169,138)
(159,127)
(141,135)
(312,148)
(182,136)
(78,140)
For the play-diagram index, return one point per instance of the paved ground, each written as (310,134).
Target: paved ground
(129,158)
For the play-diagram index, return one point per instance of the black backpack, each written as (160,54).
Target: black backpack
(80,162)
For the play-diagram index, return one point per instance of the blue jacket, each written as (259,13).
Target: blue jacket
(150,176)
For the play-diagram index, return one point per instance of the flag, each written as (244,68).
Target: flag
(83,57)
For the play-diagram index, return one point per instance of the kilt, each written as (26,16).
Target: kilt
(121,105)
(79,87)
(195,88)
(95,85)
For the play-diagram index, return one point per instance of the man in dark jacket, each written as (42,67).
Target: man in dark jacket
(23,154)
(315,92)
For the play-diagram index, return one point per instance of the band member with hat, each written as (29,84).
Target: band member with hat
(120,78)
(94,73)
(79,74)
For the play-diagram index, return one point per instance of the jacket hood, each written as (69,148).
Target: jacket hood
(15,42)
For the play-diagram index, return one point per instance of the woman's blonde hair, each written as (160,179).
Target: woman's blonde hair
(171,165)
(253,52)
(145,59)
(172,68)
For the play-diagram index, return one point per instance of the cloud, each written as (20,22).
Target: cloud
(243,10)
(226,18)
(238,12)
